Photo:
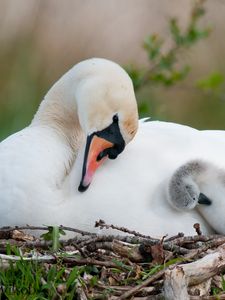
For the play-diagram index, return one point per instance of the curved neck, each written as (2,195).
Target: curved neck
(58,110)
(184,188)
(193,178)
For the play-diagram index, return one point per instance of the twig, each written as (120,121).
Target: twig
(102,224)
(178,278)
(217,297)
(90,261)
(179,235)
(4,230)
(122,289)
(152,279)
(145,283)
(38,258)
(197,228)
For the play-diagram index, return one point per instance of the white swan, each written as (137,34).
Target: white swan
(89,114)
(201,185)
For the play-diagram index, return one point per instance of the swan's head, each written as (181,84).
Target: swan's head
(184,191)
(107,112)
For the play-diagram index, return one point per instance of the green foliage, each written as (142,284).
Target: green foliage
(22,83)
(223,282)
(216,291)
(198,103)
(32,280)
(151,272)
(212,82)
(53,234)
(164,67)
(120,264)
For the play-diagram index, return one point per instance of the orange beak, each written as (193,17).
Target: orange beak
(93,159)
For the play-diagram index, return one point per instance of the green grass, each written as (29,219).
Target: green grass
(32,280)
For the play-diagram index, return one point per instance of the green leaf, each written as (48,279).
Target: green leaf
(94,281)
(53,234)
(211,82)
(74,274)
(175,31)
(223,282)
(121,264)
(51,274)
(55,238)
(152,45)
(152,271)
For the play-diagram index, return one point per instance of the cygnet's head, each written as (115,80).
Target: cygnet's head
(107,112)
(184,191)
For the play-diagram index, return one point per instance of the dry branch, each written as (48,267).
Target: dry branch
(134,257)
(179,278)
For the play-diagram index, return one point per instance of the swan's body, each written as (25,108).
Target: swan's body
(200,185)
(41,166)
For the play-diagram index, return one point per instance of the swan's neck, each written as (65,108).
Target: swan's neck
(58,110)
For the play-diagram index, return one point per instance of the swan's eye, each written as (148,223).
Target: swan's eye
(112,153)
(101,155)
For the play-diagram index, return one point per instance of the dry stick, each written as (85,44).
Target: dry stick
(189,240)
(153,278)
(28,244)
(137,288)
(28,227)
(197,228)
(179,278)
(179,235)
(110,238)
(82,232)
(90,261)
(81,293)
(102,224)
(219,296)
(80,243)
(38,258)
(69,260)
(94,242)
(123,249)
(200,289)
(119,290)
(36,244)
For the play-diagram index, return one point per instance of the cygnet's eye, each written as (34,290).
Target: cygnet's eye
(188,188)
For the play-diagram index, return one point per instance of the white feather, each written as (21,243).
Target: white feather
(40,168)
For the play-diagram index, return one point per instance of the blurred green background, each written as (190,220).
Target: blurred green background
(40,40)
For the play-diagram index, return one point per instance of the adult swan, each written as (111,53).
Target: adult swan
(88,116)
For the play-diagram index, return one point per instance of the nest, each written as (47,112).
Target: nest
(132,266)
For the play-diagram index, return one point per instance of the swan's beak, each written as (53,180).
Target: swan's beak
(203,199)
(93,158)
(100,144)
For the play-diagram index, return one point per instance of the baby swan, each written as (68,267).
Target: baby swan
(201,185)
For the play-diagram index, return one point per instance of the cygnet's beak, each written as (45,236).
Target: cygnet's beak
(100,145)
(203,199)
